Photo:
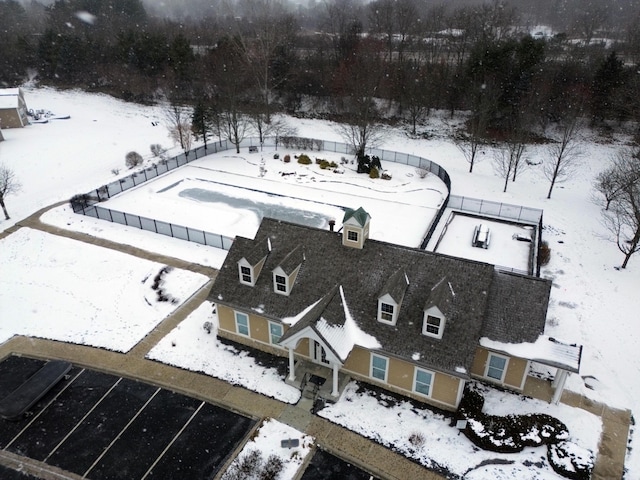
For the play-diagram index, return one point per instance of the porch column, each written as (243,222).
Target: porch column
(292,365)
(335,392)
(558,384)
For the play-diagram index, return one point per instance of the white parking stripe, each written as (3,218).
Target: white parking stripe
(121,432)
(44,409)
(172,441)
(82,419)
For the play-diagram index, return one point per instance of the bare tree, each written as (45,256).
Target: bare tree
(622,219)
(9,184)
(179,126)
(503,162)
(564,154)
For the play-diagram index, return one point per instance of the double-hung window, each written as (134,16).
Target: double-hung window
(423,382)
(281,283)
(242,323)
(246,275)
(379,367)
(433,326)
(496,367)
(275,332)
(386,312)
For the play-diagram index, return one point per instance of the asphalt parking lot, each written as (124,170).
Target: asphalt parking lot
(325,466)
(107,427)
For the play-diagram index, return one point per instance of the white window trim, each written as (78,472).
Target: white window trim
(504,372)
(235,317)
(424,325)
(286,284)
(386,368)
(241,275)
(394,315)
(415,378)
(270,338)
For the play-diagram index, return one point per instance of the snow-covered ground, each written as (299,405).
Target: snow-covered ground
(592,302)
(62,289)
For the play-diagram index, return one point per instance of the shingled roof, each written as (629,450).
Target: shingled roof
(364,273)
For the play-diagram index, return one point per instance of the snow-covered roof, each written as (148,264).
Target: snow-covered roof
(9,97)
(546,350)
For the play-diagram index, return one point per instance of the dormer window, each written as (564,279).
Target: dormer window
(387,312)
(433,326)
(280,283)
(246,274)
(390,297)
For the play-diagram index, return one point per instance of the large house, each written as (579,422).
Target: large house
(13,108)
(414,322)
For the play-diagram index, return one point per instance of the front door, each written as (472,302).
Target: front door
(319,354)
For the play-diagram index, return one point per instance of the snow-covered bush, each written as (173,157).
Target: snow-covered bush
(132,159)
(544,253)
(304,159)
(570,460)
(252,467)
(510,433)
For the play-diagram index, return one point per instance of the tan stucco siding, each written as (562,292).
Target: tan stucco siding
(400,379)
(517,369)
(516,372)
(226,319)
(258,330)
(446,388)
(303,347)
(479,362)
(400,374)
(358,361)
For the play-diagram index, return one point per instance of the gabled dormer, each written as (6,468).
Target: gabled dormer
(250,266)
(390,297)
(284,275)
(355,227)
(438,309)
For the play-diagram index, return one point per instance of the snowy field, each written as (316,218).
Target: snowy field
(57,288)
(592,302)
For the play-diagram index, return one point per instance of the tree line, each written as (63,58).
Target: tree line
(332,60)
(363,65)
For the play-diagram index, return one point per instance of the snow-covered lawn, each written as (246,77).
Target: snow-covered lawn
(267,444)
(191,347)
(62,289)
(592,302)
(431,439)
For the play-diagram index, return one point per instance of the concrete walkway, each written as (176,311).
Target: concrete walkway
(381,461)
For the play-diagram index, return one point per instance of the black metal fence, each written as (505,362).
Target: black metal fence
(88,203)
(503,211)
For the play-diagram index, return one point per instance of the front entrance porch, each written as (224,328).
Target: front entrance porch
(315,381)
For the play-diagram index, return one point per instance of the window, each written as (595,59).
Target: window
(379,367)
(352,235)
(386,312)
(496,367)
(423,382)
(242,324)
(275,332)
(281,283)
(433,326)
(246,275)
